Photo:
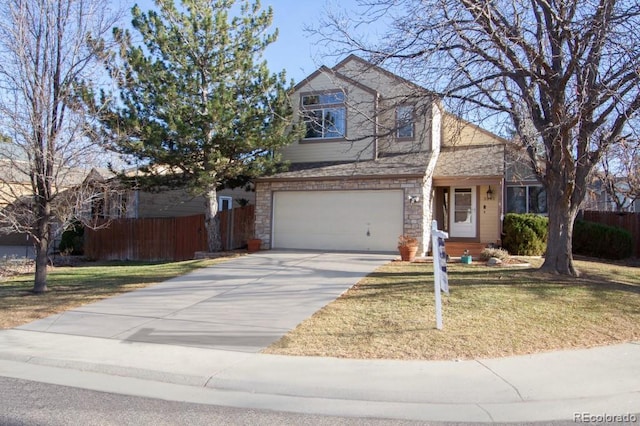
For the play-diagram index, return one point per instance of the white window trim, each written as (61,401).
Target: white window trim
(221,201)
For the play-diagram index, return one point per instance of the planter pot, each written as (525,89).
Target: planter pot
(408,253)
(253,245)
(465,259)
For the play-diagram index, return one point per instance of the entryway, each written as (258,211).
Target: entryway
(463,207)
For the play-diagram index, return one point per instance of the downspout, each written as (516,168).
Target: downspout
(375,125)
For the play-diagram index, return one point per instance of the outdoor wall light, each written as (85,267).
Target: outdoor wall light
(489,193)
(414,199)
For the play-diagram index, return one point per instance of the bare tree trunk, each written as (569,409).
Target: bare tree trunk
(212,221)
(42,250)
(559,257)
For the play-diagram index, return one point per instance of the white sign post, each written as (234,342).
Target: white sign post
(440,279)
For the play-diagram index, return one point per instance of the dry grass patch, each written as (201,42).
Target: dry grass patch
(491,312)
(70,287)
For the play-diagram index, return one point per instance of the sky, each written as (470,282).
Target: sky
(294,51)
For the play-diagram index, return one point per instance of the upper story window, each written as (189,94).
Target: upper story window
(526,199)
(405,121)
(324,115)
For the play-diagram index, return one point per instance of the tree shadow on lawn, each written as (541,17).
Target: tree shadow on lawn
(528,279)
(541,283)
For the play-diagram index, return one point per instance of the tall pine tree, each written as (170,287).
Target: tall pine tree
(197,104)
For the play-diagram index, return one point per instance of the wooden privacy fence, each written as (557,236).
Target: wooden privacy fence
(628,221)
(152,239)
(160,239)
(236,226)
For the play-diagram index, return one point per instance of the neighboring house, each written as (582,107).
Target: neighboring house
(134,204)
(599,199)
(16,196)
(171,203)
(177,203)
(380,158)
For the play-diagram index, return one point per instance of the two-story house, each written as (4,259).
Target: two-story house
(379,158)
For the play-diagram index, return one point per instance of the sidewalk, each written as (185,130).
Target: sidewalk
(67,351)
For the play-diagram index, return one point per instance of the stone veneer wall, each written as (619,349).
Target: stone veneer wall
(413,212)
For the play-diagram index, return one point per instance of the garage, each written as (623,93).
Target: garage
(364,220)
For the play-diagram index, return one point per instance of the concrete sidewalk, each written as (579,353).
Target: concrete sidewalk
(204,349)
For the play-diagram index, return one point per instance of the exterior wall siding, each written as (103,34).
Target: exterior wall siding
(359,141)
(489,213)
(372,96)
(422,140)
(457,132)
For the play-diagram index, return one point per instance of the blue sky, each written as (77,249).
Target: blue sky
(295,51)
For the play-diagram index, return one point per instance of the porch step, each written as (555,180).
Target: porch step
(457,248)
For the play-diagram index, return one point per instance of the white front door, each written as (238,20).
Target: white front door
(463,217)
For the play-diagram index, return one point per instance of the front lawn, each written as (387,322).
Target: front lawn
(491,312)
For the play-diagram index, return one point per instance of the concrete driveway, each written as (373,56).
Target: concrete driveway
(243,304)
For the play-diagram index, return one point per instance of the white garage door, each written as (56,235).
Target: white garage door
(338,220)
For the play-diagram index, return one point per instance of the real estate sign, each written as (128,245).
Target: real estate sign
(440,279)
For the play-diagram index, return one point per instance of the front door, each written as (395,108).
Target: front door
(463,209)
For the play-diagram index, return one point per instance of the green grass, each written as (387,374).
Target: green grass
(490,312)
(70,287)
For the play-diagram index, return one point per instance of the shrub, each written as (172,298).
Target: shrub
(490,252)
(598,240)
(525,234)
(407,241)
(72,240)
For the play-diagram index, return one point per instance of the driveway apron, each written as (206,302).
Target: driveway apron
(243,304)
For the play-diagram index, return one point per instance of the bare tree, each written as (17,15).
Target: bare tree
(564,74)
(46,59)
(619,172)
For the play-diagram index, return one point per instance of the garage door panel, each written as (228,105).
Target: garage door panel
(338,220)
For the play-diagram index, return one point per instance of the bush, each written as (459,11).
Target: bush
(490,252)
(598,240)
(525,234)
(72,240)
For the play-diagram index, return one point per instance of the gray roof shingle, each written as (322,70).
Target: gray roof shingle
(470,160)
(459,161)
(414,164)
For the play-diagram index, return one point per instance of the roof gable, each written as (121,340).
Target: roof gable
(366,66)
(355,71)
